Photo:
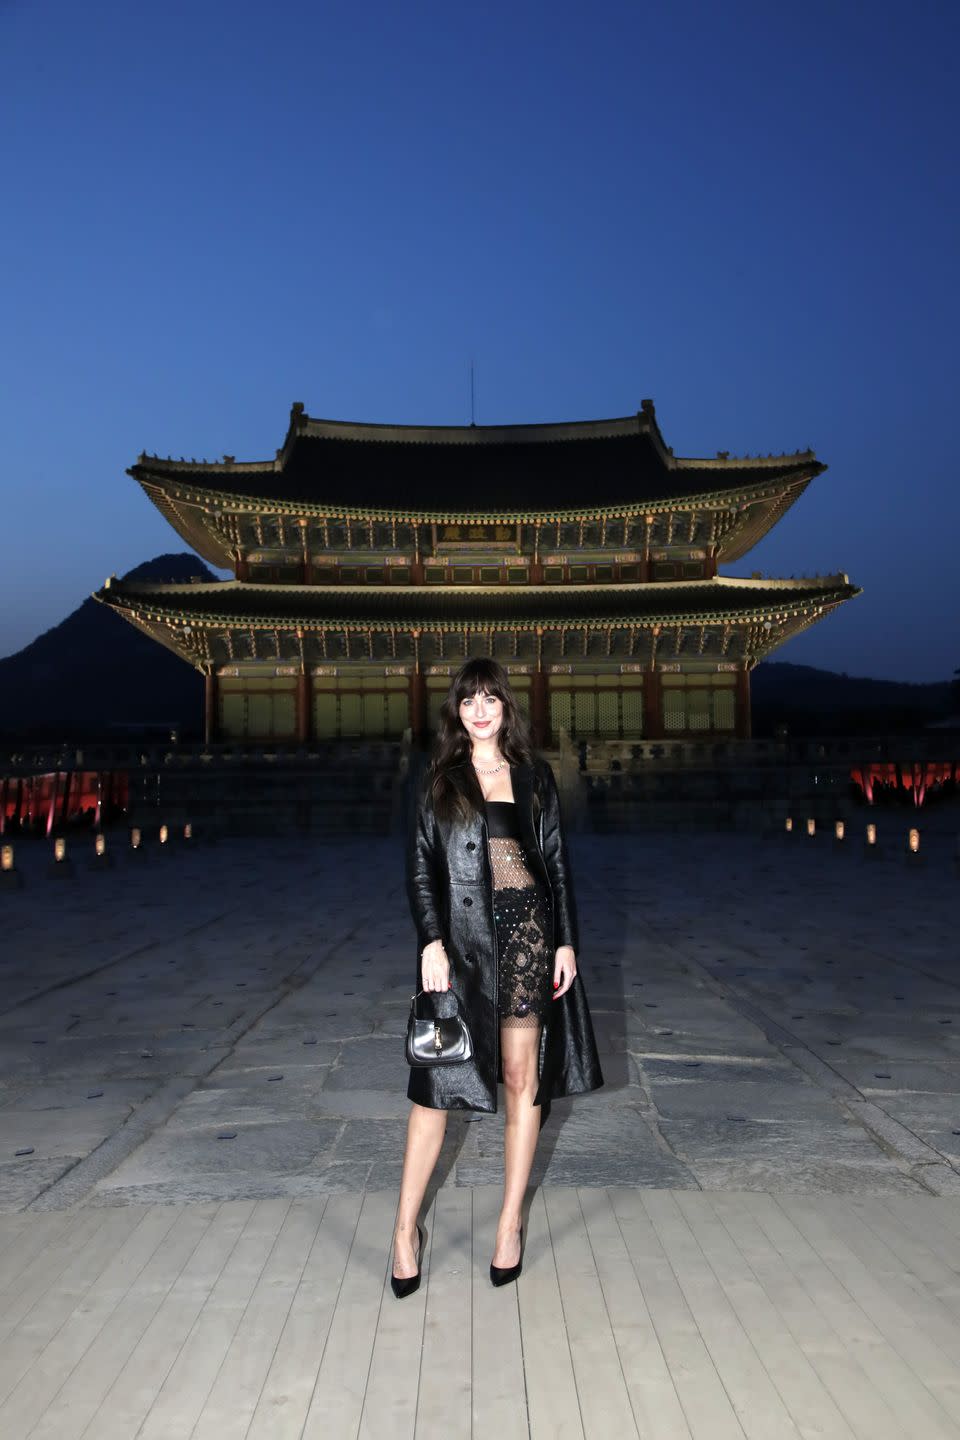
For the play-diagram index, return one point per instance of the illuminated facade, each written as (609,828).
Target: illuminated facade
(370,560)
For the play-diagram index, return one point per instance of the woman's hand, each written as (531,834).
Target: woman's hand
(435,967)
(564,970)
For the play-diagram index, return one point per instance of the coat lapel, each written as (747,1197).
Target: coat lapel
(521,778)
(524,780)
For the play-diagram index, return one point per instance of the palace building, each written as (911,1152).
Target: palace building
(371,560)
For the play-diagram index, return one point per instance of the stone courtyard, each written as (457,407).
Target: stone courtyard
(753,1228)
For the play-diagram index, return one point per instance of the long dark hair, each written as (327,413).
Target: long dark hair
(460,797)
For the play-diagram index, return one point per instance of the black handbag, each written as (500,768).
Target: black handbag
(441,1039)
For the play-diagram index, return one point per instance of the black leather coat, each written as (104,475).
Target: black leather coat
(450,887)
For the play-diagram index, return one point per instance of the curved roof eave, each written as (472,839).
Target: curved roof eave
(796,596)
(234,502)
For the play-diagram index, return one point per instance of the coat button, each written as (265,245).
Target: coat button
(467,900)
(470,845)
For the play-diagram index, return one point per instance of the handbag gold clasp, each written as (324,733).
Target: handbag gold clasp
(436,1039)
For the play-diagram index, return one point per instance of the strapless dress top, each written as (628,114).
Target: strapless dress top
(502,819)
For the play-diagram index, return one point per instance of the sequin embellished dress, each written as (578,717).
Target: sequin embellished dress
(522,917)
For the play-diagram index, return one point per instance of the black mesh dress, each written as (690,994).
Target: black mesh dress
(522,917)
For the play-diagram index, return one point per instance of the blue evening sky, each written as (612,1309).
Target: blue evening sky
(747,211)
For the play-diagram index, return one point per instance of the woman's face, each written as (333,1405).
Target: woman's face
(481,715)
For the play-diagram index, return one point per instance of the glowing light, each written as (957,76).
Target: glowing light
(871,834)
(6,857)
(188,831)
(135,837)
(59,849)
(164,834)
(100,844)
(838,829)
(918,778)
(811,827)
(913,840)
(788,824)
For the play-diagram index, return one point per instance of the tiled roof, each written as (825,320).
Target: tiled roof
(477,468)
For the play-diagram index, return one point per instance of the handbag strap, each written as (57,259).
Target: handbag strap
(416,997)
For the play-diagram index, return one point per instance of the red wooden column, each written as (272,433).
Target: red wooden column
(743,727)
(418,696)
(417,576)
(52,808)
(652,705)
(68,786)
(304,701)
(210,707)
(418,706)
(539,710)
(535,568)
(646,564)
(306,577)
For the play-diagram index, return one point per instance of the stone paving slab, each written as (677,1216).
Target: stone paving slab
(22,1180)
(745,997)
(67,1131)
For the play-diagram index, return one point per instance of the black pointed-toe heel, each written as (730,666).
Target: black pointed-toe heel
(503,1274)
(402,1288)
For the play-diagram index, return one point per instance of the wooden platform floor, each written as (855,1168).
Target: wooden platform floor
(640,1312)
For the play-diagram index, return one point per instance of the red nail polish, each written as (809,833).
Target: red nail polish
(556,984)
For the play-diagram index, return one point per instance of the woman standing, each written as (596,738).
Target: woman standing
(492,900)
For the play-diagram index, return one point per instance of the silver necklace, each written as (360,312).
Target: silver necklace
(488,772)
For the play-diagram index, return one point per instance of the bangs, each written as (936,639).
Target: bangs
(480,676)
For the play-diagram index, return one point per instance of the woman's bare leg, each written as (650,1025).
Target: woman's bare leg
(519,1047)
(425,1131)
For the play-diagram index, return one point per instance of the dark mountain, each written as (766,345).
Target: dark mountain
(820,702)
(95,676)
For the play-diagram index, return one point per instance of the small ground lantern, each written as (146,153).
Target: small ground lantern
(101,860)
(913,846)
(188,831)
(811,827)
(136,840)
(60,865)
(164,834)
(839,831)
(10,877)
(788,825)
(871,848)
